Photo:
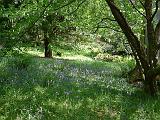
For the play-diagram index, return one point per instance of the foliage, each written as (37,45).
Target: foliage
(28,18)
(27,24)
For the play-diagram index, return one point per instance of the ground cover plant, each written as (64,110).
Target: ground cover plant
(64,89)
(79,60)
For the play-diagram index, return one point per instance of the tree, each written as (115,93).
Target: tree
(146,58)
(41,21)
(48,29)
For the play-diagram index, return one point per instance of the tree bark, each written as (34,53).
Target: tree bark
(131,37)
(48,51)
(152,43)
(147,60)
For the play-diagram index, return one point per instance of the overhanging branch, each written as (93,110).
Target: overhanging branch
(131,37)
(107,19)
(42,13)
(76,8)
(157,31)
(142,3)
(136,9)
(98,25)
(155,9)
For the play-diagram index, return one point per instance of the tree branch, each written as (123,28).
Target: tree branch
(142,3)
(76,8)
(155,9)
(131,37)
(157,31)
(107,19)
(136,9)
(42,13)
(98,25)
(65,5)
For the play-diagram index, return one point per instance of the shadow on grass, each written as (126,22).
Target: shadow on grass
(71,90)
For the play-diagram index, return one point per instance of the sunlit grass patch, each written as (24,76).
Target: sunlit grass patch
(65,89)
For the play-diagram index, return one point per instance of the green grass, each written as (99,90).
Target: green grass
(65,89)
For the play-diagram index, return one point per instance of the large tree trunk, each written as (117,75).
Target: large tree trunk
(146,60)
(48,51)
(152,43)
(150,86)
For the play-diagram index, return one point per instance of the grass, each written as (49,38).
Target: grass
(66,89)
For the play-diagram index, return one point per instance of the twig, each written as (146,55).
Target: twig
(42,13)
(155,9)
(107,19)
(76,8)
(98,25)
(136,8)
(142,3)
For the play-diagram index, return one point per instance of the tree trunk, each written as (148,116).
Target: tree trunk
(150,86)
(152,42)
(48,51)
(146,60)
(151,80)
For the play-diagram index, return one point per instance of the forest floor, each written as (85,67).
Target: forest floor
(36,88)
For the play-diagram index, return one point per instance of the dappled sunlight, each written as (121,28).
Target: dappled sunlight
(79,60)
(62,88)
(35,53)
(78,57)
